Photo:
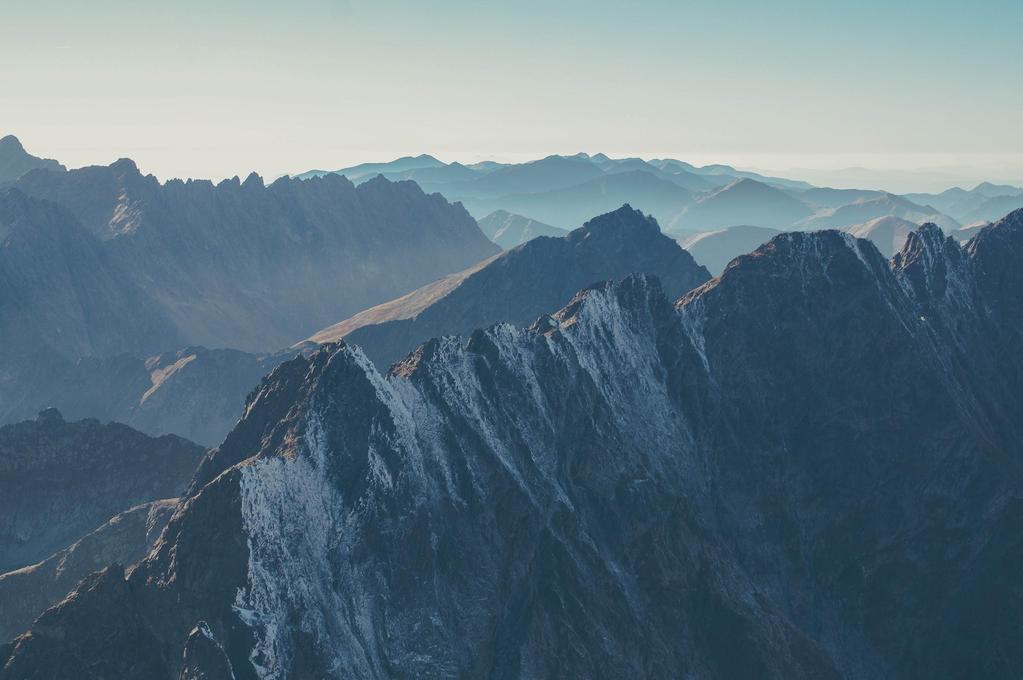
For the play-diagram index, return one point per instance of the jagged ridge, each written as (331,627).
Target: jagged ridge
(791,474)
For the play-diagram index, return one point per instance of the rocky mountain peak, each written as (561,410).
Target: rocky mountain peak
(253,181)
(11,144)
(933,266)
(15,161)
(50,417)
(125,166)
(624,223)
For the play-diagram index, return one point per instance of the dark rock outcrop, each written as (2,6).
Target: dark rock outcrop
(60,480)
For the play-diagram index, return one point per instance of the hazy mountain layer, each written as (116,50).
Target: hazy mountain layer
(865,210)
(571,206)
(965,205)
(808,468)
(744,201)
(565,190)
(715,249)
(241,264)
(508,230)
(888,233)
(196,392)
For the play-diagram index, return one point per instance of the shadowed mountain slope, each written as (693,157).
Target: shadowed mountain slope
(521,284)
(59,480)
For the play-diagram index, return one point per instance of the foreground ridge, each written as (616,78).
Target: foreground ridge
(806,468)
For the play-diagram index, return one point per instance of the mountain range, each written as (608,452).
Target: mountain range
(744,201)
(236,264)
(867,209)
(984,203)
(564,191)
(161,305)
(520,285)
(807,467)
(125,538)
(523,451)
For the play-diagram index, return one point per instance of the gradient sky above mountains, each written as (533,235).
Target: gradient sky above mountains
(217,89)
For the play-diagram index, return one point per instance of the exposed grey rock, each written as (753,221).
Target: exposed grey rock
(204,657)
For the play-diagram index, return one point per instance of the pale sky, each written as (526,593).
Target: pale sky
(214,89)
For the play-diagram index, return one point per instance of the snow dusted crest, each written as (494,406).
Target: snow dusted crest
(432,434)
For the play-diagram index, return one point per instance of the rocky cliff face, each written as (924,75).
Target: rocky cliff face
(59,480)
(520,285)
(807,468)
(249,266)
